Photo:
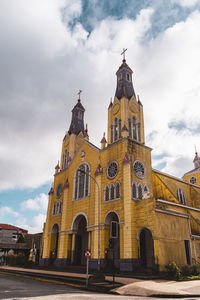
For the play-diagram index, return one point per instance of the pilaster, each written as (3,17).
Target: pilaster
(47,237)
(63,237)
(97,213)
(127,228)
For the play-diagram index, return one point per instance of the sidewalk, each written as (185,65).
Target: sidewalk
(130,286)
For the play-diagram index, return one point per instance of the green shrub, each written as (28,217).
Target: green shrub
(195,269)
(190,270)
(186,271)
(173,271)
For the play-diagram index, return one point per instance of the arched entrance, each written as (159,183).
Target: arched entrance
(112,233)
(54,241)
(146,248)
(81,239)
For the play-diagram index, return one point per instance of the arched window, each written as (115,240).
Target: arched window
(134,191)
(65,159)
(107,193)
(81,182)
(134,128)
(54,209)
(128,76)
(140,194)
(116,130)
(146,191)
(60,207)
(117,190)
(181,196)
(112,192)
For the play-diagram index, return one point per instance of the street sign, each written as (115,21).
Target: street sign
(87,254)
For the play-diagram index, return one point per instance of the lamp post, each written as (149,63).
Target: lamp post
(98,260)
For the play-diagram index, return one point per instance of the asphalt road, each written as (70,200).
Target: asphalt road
(16,287)
(12,287)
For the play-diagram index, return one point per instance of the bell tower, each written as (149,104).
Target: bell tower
(125,113)
(75,134)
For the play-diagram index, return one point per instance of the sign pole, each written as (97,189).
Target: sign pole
(87,256)
(87,268)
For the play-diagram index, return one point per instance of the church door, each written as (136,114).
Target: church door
(81,241)
(146,248)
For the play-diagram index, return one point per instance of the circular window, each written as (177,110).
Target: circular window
(139,169)
(59,191)
(112,169)
(193,180)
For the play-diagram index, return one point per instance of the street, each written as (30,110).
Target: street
(12,286)
(16,287)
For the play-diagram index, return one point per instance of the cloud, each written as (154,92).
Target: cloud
(39,203)
(35,225)
(186,3)
(5,210)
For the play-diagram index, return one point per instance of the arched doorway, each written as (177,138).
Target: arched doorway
(146,248)
(81,239)
(112,224)
(54,241)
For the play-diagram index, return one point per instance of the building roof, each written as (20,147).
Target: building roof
(12,227)
(124,86)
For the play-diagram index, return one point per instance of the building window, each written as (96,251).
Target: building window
(193,180)
(65,159)
(139,169)
(134,191)
(146,192)
(117,190)
(60,207)
(181,196)
(57,208)
(81,182)
(112,192)
(134,129)
(107,193)
(112,169)
(116,130)
(140,194)
(128,76)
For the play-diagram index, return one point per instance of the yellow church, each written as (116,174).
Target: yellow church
(111,202)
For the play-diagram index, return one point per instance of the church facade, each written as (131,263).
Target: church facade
(111,202)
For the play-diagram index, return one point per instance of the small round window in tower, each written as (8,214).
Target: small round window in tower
(139,169)
(112,169)
(193,180)
(59,191)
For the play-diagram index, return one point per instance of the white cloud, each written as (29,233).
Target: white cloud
(35,225)
(5,210)
(186,3)
(39,203)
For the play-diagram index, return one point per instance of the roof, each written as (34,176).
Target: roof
(194,171)
(12,227)
(124,86)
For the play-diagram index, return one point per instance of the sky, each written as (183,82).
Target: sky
(50,49)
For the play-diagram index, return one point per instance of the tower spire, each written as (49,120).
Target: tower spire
(77,122)
(124,80)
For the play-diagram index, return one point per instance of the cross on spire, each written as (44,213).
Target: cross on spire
(123,53)
(79,93)
(195,148)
